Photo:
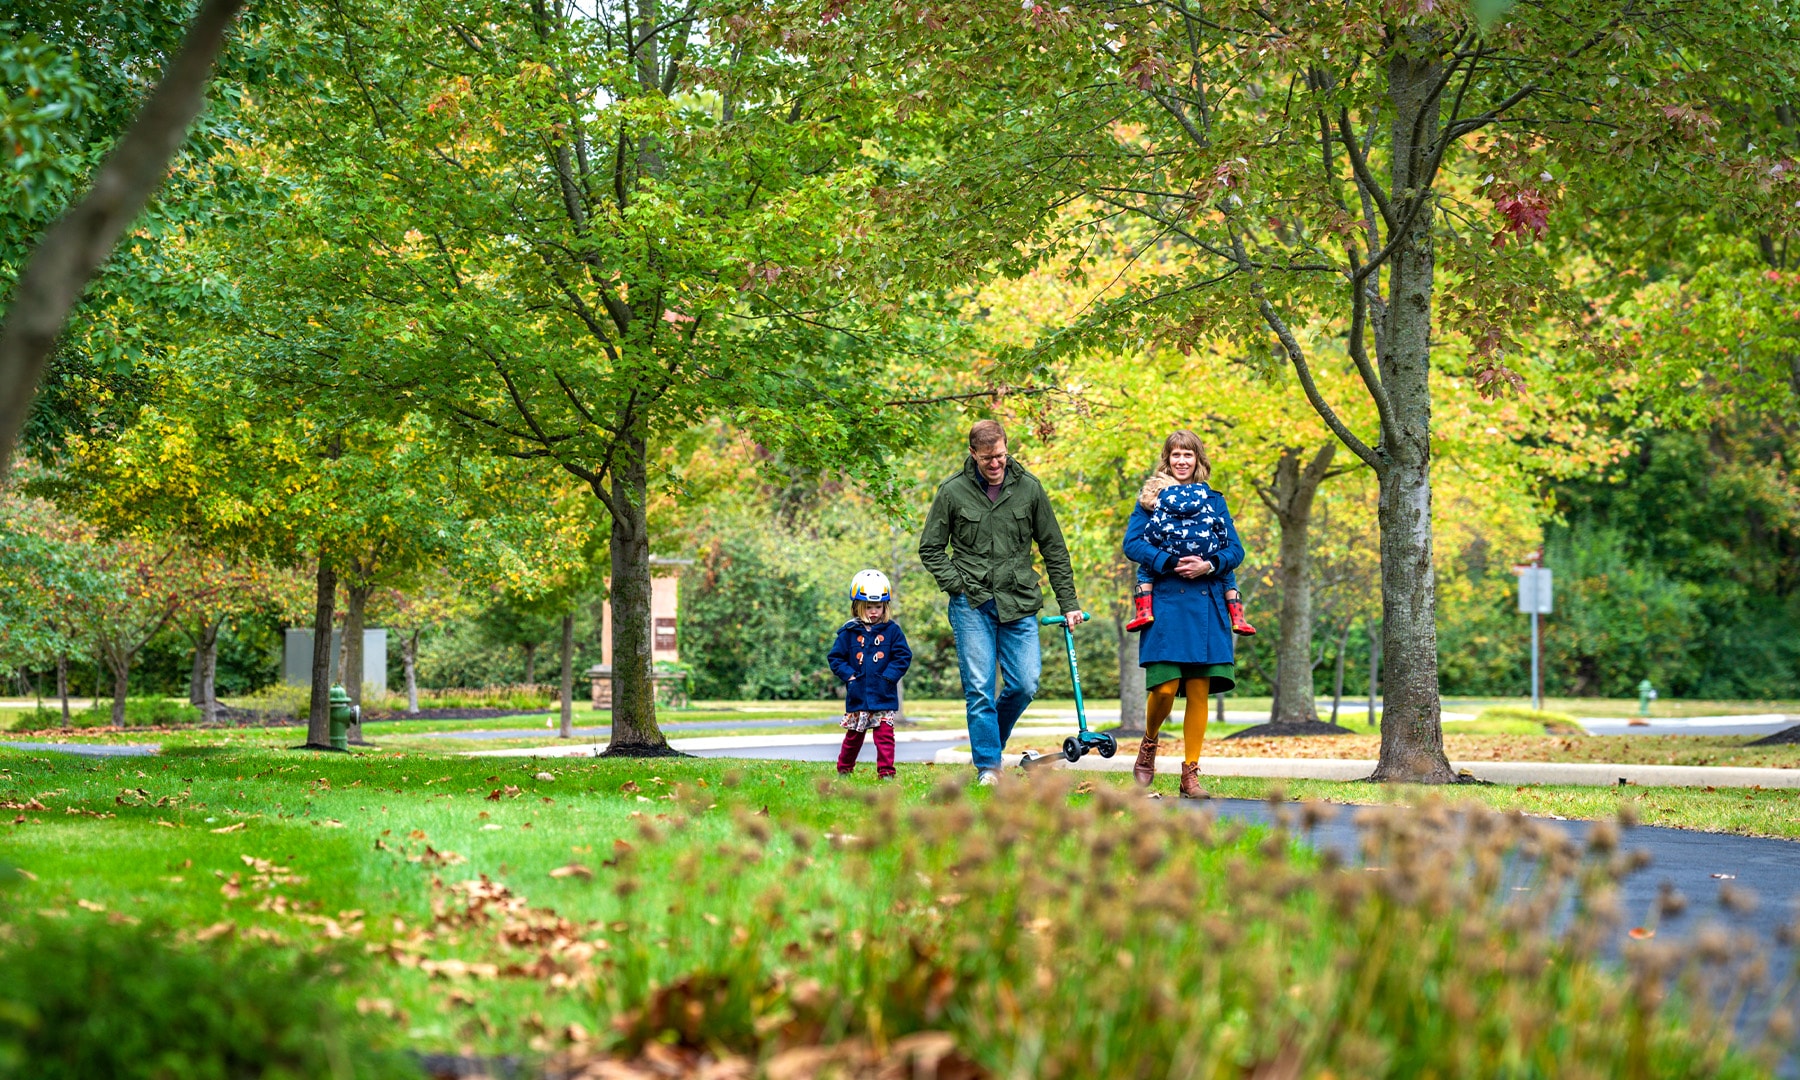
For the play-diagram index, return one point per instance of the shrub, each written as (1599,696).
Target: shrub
(91,1000)
(277,700)
(1555,723)
(139,712)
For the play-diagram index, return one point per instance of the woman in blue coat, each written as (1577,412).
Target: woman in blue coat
(1189,648)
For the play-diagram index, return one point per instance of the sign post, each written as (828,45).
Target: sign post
(1535,600)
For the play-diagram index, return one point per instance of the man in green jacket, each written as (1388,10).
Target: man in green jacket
(990,513)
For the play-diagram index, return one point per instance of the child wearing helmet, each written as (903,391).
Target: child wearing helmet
(870,655)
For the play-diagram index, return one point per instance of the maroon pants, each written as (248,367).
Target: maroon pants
(884,750)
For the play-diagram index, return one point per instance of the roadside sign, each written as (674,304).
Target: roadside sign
(1534,591)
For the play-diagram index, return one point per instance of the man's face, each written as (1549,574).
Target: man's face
(991,460)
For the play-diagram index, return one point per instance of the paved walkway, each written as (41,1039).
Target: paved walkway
(89,749)
(914,746)
(604,730)
(1696,864)
(1758,724)
(1579,774)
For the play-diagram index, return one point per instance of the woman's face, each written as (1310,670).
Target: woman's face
(1181,463)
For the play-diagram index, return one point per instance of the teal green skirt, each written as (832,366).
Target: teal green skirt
(1223,676)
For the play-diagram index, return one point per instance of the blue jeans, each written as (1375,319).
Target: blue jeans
(987,648)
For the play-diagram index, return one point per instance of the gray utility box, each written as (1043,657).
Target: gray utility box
(296,658)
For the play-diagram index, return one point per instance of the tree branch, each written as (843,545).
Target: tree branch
(73,250)
(1297,356)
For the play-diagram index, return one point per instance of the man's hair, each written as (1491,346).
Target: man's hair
(1183,439)
(984,434)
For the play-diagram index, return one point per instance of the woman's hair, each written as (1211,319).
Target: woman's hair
(857,607)
(1183,439)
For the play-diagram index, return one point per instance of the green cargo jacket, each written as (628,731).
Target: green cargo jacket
(992,542)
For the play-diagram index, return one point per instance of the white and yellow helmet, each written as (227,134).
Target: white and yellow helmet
(870,585)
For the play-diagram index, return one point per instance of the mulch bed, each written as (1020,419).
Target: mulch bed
(454,714)
(1784,737)
(1291,730)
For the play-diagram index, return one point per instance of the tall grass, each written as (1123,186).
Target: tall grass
(1051,938)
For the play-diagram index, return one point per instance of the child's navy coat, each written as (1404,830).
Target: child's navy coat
(870,660)
(1192,626)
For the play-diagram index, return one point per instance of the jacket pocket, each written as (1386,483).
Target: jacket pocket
(968,535)
(1020,522)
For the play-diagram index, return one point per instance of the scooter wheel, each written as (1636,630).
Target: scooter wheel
(1108,746)
(1072,749)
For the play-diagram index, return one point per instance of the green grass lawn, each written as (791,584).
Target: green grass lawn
(744,907)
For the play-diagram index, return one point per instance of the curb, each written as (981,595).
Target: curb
(1575,774)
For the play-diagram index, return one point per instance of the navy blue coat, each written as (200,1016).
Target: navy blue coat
(1191,624)
(870,660)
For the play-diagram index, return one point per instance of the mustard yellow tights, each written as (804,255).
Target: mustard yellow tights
(1193,718)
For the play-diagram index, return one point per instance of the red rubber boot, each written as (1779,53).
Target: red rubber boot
(1144,616)
(1239,625)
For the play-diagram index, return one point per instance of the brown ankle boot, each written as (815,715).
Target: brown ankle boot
(1144,769)
(1190,781)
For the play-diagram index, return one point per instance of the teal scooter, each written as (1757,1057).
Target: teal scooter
(1076,746)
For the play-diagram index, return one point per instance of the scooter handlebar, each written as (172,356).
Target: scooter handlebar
(1057,620)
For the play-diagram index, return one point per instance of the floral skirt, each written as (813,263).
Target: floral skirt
(863,721)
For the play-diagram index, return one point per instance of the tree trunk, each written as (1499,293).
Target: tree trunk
(206,655)
(1131,679)
(568,677)
(351,675)
(68,255)
(1374,668)
(409,659)
(1412,733)
(318,718)
(195,677)
(531,663)
(1290,498)
(62,684)
(634,729)
(1337,690)
(121,669)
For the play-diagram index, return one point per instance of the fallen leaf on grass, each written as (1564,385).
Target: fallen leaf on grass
(216,930)
(90,905)
(545,776)
(231,828)
(630,786)
(492,828)
(573,870)
(171,825)
(433,857)
(24,873)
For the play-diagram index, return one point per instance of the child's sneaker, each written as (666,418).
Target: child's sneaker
(1145,616)
(1239,625)
(987,778)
